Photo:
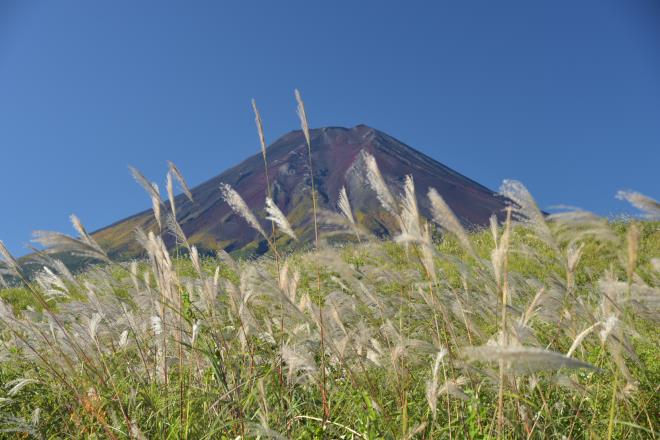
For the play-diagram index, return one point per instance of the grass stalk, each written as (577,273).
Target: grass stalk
(305,127)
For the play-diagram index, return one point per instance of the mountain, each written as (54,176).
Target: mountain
(337,155)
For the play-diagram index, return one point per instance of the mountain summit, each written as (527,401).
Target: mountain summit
(337,155)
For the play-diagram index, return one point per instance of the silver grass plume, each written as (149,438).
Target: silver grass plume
(9,259)
(499,253)
(527,212)
(522,359)
(445,217)
(573,255)
(151,189)
(278,217)
(123,339)
(650,207)
(300,364)
(216,276)
(16,385)
(146,185)
(608,326)
(377,183)
(179,177)
(302,114)
(84,236)
(155,204)
(531,309)
(93,325)
(170,194)
(260,130)
(156,325)
(51,284)
(65,272)
(452,387)
(262,142)
(56,242)
(428,252)
(580,337)
(494,227)
(264,412)
(238,205)
(409,218)
(432,385)
(345,206)
(194,259)
(195,332)
(175,229)
(162,269)
(77,225)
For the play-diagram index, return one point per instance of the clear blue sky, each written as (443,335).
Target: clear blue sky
(562,95)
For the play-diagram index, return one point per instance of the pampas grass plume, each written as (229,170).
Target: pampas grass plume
(278,217)
(238,205)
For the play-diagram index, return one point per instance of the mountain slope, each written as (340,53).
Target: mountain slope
(337,154)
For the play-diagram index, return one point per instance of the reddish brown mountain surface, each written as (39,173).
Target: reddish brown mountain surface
(209,223)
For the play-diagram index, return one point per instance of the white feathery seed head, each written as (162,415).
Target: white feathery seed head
(432,385)
(195,332)
(445,217)
(16,385)
(573,255)
(151,189)
(123,339)
(302,114)
(175,229)
(409,217)
(522,359)
(155,204)
(170,194)
(93,325)
(494,226)
(156,325)
(526,211)
(144,183)
(278,217)
(649,206)
(345,206)
(179,177)
(260,128)
(9,259)
(77,225)
(194,259)
(377,183)
(56,242)
(84,235)
(608,326)
(299,363)
(238,205)
(453,388)
(580,337)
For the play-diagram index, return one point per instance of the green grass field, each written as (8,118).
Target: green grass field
(538,327)
(542,328)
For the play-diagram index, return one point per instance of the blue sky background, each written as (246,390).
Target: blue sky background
(562,95)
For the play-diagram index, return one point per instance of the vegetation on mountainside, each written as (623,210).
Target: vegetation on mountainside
(540,327)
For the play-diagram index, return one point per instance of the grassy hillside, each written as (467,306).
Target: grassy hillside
(537,328)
